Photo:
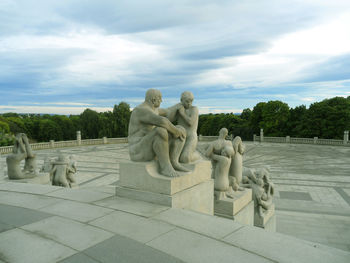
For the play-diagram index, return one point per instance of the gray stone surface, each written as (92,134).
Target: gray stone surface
(198,248)
(138,228)
(18,245)
(122,249)
(68,232)
(132,206)
(321,171)
(12,216)
(280,247)
(77,211)
(295,195)
(79,258)
(204,224)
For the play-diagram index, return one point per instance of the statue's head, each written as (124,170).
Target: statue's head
(223,132)
(187,99)
(238,145)
(154,97)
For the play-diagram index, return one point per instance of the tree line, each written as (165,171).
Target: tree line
(326,119)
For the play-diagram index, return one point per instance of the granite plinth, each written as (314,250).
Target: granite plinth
(267,221)
(240,208)
(193,190)
(42,178)
(144,176)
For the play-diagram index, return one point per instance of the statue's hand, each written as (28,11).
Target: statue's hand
(180,134)
(182,110)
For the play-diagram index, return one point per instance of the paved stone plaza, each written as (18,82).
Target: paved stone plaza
(90,224)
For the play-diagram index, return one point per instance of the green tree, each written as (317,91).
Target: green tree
(90,125)
(275,115)
(122,114)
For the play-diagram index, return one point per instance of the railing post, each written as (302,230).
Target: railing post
(52,143)
(105,140)
(346,137)
(315,140)
(261,135)
(254,137)
(78,137)
(287,139)
(200,137)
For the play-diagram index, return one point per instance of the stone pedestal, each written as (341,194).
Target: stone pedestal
(240,208)
(42,178)
(193,190)
(267,221)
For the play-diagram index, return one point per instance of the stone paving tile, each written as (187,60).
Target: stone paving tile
(282,248)
(132,206)
(19,246)
(192,247)
(212,226)
(136,227)
(79,258)
(81,195)
(122,249)
(78,211)
(295,195)
(4,227)
(68,232)
(18,216)
(26,200)
(28,188)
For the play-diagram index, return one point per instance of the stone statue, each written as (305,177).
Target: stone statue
(221,153)
(151,134)
(62,171)
(186,115)
(72,169)
(263,188)
(47,166)
(237,161)
(21,151)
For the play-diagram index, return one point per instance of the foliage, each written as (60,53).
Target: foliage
(326,119)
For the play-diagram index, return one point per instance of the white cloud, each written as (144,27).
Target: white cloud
(50,109)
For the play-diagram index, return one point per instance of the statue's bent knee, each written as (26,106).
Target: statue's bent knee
(162,132)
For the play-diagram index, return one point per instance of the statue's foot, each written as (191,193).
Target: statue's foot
(169,171)
(179,167)
(241,188)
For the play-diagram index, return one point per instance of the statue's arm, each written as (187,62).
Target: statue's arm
(190,119)
(170,112)
(149,117)
(209,151)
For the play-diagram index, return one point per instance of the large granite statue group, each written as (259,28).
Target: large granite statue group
(167,169)
(168,137)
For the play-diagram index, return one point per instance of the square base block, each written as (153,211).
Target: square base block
(244,216)
(199,198)
(144,176)
(40,179)
(192,190)
(230,207)
(267,221)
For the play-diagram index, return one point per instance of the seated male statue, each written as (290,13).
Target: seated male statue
(186,115)
(152,135)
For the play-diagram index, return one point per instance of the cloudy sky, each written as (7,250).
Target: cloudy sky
(64,56)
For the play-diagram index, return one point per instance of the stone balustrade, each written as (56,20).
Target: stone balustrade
(314,140)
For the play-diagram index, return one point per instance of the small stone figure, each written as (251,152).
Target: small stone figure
(72,169)
(221,153)
(263,188)
(62,171)
(237,161)
(47,166)
(21,151)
